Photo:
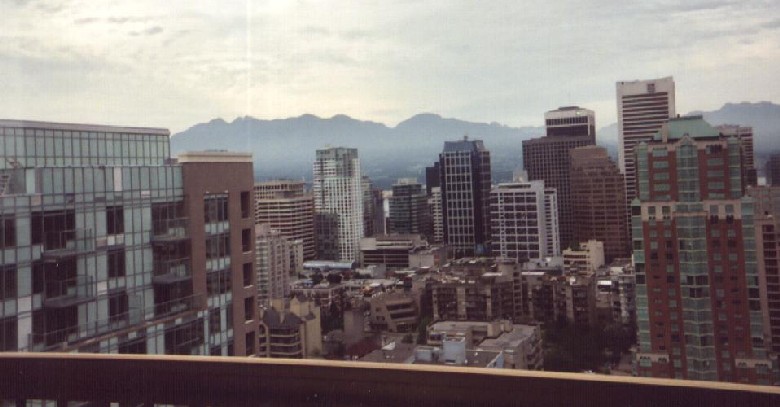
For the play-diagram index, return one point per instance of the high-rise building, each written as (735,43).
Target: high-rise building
(369,206)
(698,296)
(745,136)
(773,170)
(218,203)
(338,203)
(437,215)
(598,204)
(409,211)
(547,158)
(519,225)
(99,245)
(464,175)
(288,208)
(767,216)
(272,265)
(643,106)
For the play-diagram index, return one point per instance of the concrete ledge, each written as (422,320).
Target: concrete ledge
(203,380)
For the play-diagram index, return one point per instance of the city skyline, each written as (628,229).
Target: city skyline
(176,65)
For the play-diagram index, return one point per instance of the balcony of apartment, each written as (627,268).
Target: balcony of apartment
(68,292)
(100,379)
(171,271)
(65,243)
(166,231)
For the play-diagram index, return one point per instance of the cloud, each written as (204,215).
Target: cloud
(149,31)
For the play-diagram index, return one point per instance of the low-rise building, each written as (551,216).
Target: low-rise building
(324,295)
(290,329)
(390,250)
(588,258)
(393,312)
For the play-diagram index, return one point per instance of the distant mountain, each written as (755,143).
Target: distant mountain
(764,117)
(286,147)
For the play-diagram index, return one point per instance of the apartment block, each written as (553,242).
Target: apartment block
(697,280)
(272,265)
(520,227)
(104,243)
(288,208)
(339,202)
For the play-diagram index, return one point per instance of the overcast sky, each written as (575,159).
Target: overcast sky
(177,63)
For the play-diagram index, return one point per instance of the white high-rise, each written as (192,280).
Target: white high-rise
(524,220)
(643,106)
(338,203)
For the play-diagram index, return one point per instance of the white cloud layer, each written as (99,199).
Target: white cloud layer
(175,63)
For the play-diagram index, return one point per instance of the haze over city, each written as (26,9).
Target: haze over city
(175,64)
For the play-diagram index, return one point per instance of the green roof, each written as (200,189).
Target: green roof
(693,126)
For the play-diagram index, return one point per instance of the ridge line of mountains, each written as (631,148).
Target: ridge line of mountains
(285,148)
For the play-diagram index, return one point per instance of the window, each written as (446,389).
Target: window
(218,282)
(8,334)
(116,263)
(218,246)
(215,321)
(246,240)
(115,220)
(249,308)
(247,271)
(215,208)
(118,307)
(7,282)
(246,204)
(8,232)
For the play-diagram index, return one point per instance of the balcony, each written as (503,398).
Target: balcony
(169,230)
(67,293)
(171,271)
(65,243)
(229,381)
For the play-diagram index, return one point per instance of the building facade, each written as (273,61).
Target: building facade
(338,203)
(598,208)
(547,158)
(767,215)
(409,211)
(520,228)
(464,175)
(288,208)
(698,297)
(99,250)
(272,265)
(643,106)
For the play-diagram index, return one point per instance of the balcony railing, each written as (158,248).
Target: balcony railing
(226,381)
(171,271)
(62,243)
(169,230)
(66,293)
(72,337)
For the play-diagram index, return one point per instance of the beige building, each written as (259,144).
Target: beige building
(393,312)
(588,258)
(290,329)
(288,208)
(272,265)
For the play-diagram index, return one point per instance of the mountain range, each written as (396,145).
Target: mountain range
(286,147)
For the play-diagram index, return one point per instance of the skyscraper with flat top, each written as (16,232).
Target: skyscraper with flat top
(547,158)
(338,203)
(464,174)
(643,106)
(598,206)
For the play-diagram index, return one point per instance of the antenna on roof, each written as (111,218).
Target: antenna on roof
(465,137)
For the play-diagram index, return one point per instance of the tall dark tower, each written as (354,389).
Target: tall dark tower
(547,158)
(464,178)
